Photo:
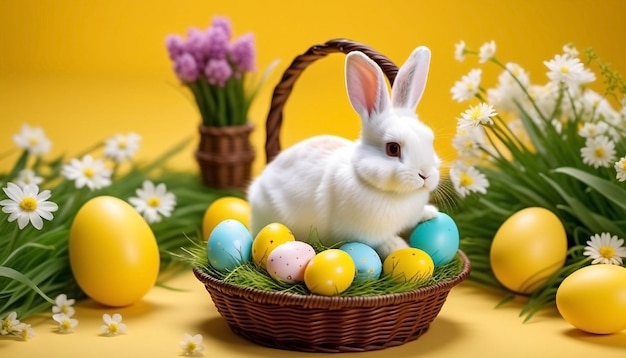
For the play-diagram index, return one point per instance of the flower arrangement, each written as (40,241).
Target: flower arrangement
(560,146)
(216,70)
(40,198)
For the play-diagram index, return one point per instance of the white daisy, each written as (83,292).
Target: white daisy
(508,91)
(32,139)
(10,324)
(476,115)
(467,179)
(591,130)
(467,142)
(121,147)
(487,51)
(66,324)
(459,51)
(569,70)
(570,50)
(598,151)
(63,305)
(27,176)
(605,249)
(467,87)
(26,332)
(87,171)
(191,345)
(153,201)
(27,204)
(112,325)
(620,169)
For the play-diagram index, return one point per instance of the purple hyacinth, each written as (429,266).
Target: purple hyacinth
(175,45)
(224,24)
(217,42)
(243,54)
(186,68)
(196,45)
(218,72)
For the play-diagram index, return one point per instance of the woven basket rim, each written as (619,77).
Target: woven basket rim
(333,302)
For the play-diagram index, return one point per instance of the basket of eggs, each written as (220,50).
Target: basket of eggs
(292,287)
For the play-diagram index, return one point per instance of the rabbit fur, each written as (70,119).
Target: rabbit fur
(370,190)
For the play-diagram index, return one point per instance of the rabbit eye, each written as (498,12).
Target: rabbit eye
(393,149)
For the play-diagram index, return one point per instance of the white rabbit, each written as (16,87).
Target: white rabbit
(370,190)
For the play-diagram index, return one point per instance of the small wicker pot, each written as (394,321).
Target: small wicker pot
(315,323)
(225,156)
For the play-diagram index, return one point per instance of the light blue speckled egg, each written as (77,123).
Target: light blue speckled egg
(439,237)
(229,245)
(367,262)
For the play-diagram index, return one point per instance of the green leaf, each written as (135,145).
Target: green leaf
(609,190)
(18,276)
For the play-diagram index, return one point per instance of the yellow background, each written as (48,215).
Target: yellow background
(85,70)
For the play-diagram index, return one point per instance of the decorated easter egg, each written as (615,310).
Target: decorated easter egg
(113,253)
(269,238)
(409,265)
(593,298)
(288,261)
(227,207)
(229,245)
(528,248)
(366,261)
(330,272)
(438,237)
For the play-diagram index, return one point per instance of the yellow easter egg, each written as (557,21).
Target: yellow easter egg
(113,253)
(593,298)
(330,272)
(268,238)
(528,248)
(409,265)
(224,208)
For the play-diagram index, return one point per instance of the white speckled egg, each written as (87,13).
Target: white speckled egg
(288,261)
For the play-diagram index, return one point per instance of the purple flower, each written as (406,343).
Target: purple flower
(196,44)
(175,45)
(243,54)
(186,67)
(224,24)
(217,72)
(217,42)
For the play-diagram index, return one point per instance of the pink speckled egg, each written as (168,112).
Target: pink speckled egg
(288,261)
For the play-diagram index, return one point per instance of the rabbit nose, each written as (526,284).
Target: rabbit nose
(423,176)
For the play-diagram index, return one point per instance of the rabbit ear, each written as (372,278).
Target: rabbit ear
(366,86)
(411,79)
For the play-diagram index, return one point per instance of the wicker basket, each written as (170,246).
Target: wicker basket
(317,323)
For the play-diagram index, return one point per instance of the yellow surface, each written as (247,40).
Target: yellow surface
(469,325)
(87,70)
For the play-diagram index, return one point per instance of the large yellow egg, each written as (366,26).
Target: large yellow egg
(528,248)
(267,240)
(224,208)
(593,299)
(409,265)
(113,253)
(330,272)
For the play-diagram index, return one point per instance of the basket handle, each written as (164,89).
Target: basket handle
(284,87)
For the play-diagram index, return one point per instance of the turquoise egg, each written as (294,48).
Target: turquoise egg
(366,260)
(439,237)
(229,245)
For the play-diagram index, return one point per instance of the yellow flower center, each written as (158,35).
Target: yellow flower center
(599,152)
(624,165)
(122,144)
(113,328)
(564,69)
(33,141)
(89,172)
(28,204)
(466,180)
(475,114)
(154,202)
(191,346)
(470,86)
(66,325)
(607,252)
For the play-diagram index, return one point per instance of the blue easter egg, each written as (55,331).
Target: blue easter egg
(439,237)
(229,245)
(366,261)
